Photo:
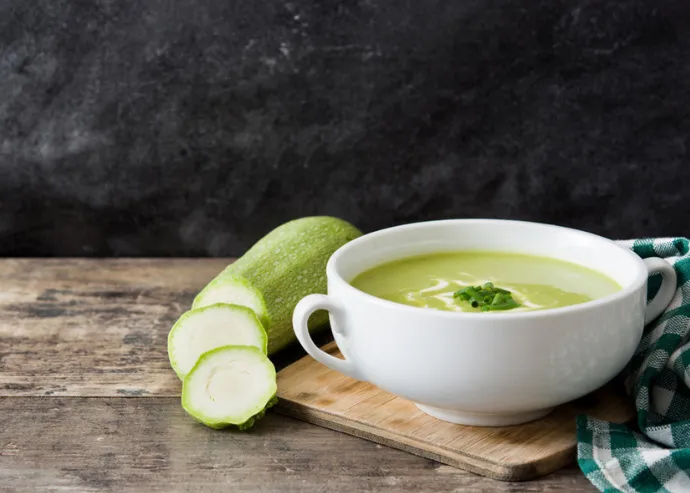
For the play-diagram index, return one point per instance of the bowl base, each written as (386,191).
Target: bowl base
(479,419)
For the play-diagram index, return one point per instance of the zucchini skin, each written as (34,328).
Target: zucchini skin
(280,269)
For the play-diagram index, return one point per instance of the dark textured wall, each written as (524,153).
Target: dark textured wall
(193,127)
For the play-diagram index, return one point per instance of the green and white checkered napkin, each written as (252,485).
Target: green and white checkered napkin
(654,457)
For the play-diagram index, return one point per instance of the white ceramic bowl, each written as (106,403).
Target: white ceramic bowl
(487,369)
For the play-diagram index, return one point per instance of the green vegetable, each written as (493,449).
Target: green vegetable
(488,297)
(200,330)
(279,270)
(230,386)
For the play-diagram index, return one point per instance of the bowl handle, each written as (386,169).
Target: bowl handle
(308,305)
(667,290)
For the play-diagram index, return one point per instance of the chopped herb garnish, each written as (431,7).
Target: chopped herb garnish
(487,297)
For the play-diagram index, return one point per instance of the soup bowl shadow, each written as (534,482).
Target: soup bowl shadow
(487,368)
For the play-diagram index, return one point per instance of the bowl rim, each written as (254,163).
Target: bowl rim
(334,276)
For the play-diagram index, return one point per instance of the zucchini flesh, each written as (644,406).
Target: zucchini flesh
(230,386)
(200,330)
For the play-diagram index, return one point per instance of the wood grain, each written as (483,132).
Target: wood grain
(93,327)
(98,328)
(149,445)
(310,391)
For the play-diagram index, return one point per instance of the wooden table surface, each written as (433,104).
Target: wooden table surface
(89,403)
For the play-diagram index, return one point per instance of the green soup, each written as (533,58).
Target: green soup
(535,283)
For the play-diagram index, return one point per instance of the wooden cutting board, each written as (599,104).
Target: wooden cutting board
(310,391)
